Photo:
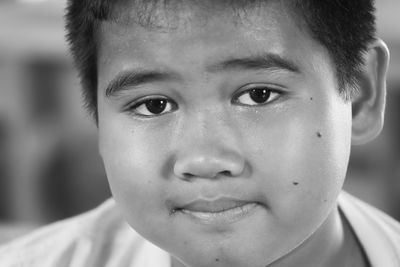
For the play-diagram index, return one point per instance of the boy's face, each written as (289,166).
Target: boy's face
(227,143)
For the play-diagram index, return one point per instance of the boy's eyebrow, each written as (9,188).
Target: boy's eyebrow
(132,78)
(258,62)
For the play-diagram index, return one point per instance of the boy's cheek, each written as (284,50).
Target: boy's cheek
(132,163)
(300,160)
(139,193)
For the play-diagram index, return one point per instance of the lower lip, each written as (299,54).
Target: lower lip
(222,217)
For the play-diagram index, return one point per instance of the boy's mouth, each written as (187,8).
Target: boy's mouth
(218,211)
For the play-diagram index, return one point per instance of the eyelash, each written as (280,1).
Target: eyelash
(133,107)
(256,90)
(165,102)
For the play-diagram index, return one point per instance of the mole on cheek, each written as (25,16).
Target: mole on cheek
(216,259)
(311,98)
(295,183)
(319,134)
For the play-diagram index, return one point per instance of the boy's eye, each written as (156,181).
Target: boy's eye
(256,96)
(152,106)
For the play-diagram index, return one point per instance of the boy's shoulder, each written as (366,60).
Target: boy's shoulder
(99,237)
(378,233)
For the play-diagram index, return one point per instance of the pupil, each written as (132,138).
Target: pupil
(156,106)
(259,95)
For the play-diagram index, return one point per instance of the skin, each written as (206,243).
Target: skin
(289,154)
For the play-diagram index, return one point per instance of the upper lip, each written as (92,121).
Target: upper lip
(215,205)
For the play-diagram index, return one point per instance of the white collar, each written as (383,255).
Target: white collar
(374,234)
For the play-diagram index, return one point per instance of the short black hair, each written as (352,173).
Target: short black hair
(345,28)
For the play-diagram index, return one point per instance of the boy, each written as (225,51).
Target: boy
(225,129)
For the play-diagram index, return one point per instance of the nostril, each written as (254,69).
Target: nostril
(226,173)
(187,175)
(189,167)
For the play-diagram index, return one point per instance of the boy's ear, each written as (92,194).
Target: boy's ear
(368,106)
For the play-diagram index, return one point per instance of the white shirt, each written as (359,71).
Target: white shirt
(98,238)
(101,238)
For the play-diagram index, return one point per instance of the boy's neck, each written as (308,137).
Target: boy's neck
(333,244)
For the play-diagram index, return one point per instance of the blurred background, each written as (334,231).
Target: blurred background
(49,164)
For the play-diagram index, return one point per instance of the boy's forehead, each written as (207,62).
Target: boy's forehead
(232,32)
(232,27)
(176,15)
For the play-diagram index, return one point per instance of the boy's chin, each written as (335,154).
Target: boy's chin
(255,241)
(239,245)
(235,252)
(247,255)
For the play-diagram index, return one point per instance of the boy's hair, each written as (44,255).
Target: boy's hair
(345,28)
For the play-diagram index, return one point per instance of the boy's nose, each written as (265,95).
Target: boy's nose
(208,146)
(209,164)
